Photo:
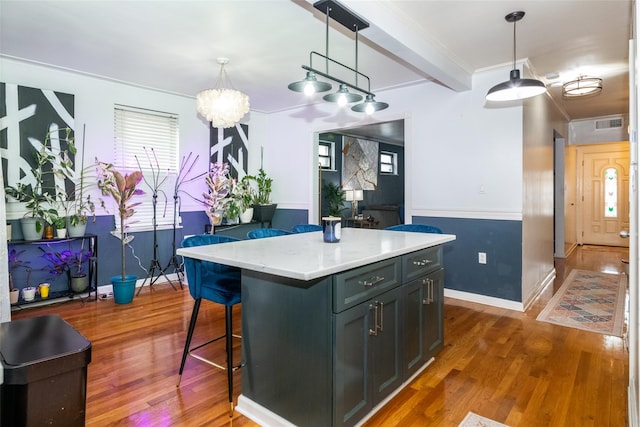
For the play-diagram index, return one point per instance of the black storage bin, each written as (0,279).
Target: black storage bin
(44,361)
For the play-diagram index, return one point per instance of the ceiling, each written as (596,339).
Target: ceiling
(173,45)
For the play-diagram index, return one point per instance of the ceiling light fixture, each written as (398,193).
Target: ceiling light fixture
(582,86)
(311,85)
(223,105)
(515,88)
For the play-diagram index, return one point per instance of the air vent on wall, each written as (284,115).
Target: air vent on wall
(608,124)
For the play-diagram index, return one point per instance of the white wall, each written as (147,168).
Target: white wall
(584,131)
(94,103)
(542,120)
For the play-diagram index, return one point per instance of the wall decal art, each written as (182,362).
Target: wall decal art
(359,164)
(231,145)
(26,116)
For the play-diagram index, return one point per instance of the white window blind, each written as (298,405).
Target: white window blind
(148,140)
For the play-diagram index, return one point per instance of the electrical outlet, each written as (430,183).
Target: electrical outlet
(482,258)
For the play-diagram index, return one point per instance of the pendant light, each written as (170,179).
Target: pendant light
(310,85)
(223,105)
(515,88)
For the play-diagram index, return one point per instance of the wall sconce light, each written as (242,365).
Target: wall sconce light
(582,86)
(354,196)
(311,85)
(515,88)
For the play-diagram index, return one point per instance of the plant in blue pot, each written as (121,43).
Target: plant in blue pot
(122,189)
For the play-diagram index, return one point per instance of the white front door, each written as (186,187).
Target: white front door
(605,193)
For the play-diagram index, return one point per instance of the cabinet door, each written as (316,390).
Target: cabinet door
(352,395)
(387,344)
(433,328)
(423,327)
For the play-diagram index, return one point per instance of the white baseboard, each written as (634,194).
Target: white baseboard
(541,286)
(633,402)
(483,299)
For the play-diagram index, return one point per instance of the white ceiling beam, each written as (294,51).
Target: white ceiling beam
(402,37)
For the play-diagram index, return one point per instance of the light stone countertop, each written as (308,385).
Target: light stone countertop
(305,256)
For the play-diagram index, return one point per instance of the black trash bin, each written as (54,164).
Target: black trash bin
(44,361)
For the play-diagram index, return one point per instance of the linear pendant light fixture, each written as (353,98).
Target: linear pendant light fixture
(310,85)
(515,88)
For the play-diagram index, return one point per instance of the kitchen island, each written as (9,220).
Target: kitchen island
(331,331)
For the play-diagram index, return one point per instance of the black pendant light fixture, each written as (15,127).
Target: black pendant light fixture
(515,88)
(342,97)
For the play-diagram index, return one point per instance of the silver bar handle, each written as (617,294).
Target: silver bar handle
(422,262)
(374,280)
(381,315)
(374,331)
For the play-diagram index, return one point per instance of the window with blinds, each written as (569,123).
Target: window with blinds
(148,140)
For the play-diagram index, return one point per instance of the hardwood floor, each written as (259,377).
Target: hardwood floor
(498,363)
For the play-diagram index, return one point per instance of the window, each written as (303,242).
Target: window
(148,140)
(388,163)
(610,193)
(326,155)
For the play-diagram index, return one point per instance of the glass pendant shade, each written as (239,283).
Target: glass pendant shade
(516,88)
(222,106)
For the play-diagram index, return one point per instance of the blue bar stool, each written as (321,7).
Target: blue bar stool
(418,228)
(306,228)
(217,283)
(259,233)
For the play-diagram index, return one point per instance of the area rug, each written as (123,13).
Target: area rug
(589,301)
(475,420)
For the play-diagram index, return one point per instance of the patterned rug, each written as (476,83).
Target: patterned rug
(475,420)
(589,301)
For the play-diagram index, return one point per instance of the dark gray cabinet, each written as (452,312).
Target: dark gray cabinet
(368,355)
(327,351)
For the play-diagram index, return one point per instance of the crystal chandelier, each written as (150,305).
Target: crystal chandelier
(223,105)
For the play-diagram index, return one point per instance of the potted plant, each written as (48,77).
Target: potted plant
(334,197)
(60,223)
(217,196)
(121,188)
(34,195)
(263,209)
(243,196)
(71,262)
(78,205)
(16,263)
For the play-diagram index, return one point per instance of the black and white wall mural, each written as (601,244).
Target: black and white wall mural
(231,145)
(27,116)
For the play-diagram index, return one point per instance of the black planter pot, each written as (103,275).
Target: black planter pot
(264,213)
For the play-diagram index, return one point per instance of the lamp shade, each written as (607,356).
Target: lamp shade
(516,88)
(342,96)
(369,106)
(309,85)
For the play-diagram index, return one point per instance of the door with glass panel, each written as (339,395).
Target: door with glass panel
(605,193)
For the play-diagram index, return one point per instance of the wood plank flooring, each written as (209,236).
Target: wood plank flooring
(498,363)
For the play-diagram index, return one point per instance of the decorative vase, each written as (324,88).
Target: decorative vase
(123,290)
(77,230)
(14,295)
(79,283)
(331,229)
(246,216)
(29,231)
(216,218)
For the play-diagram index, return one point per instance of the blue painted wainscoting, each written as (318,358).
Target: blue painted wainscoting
(501,240)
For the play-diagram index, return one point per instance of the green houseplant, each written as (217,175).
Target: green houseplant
(121,188)
(334,197)
(263,209)
(243,195)
(35,196)
(15,263)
